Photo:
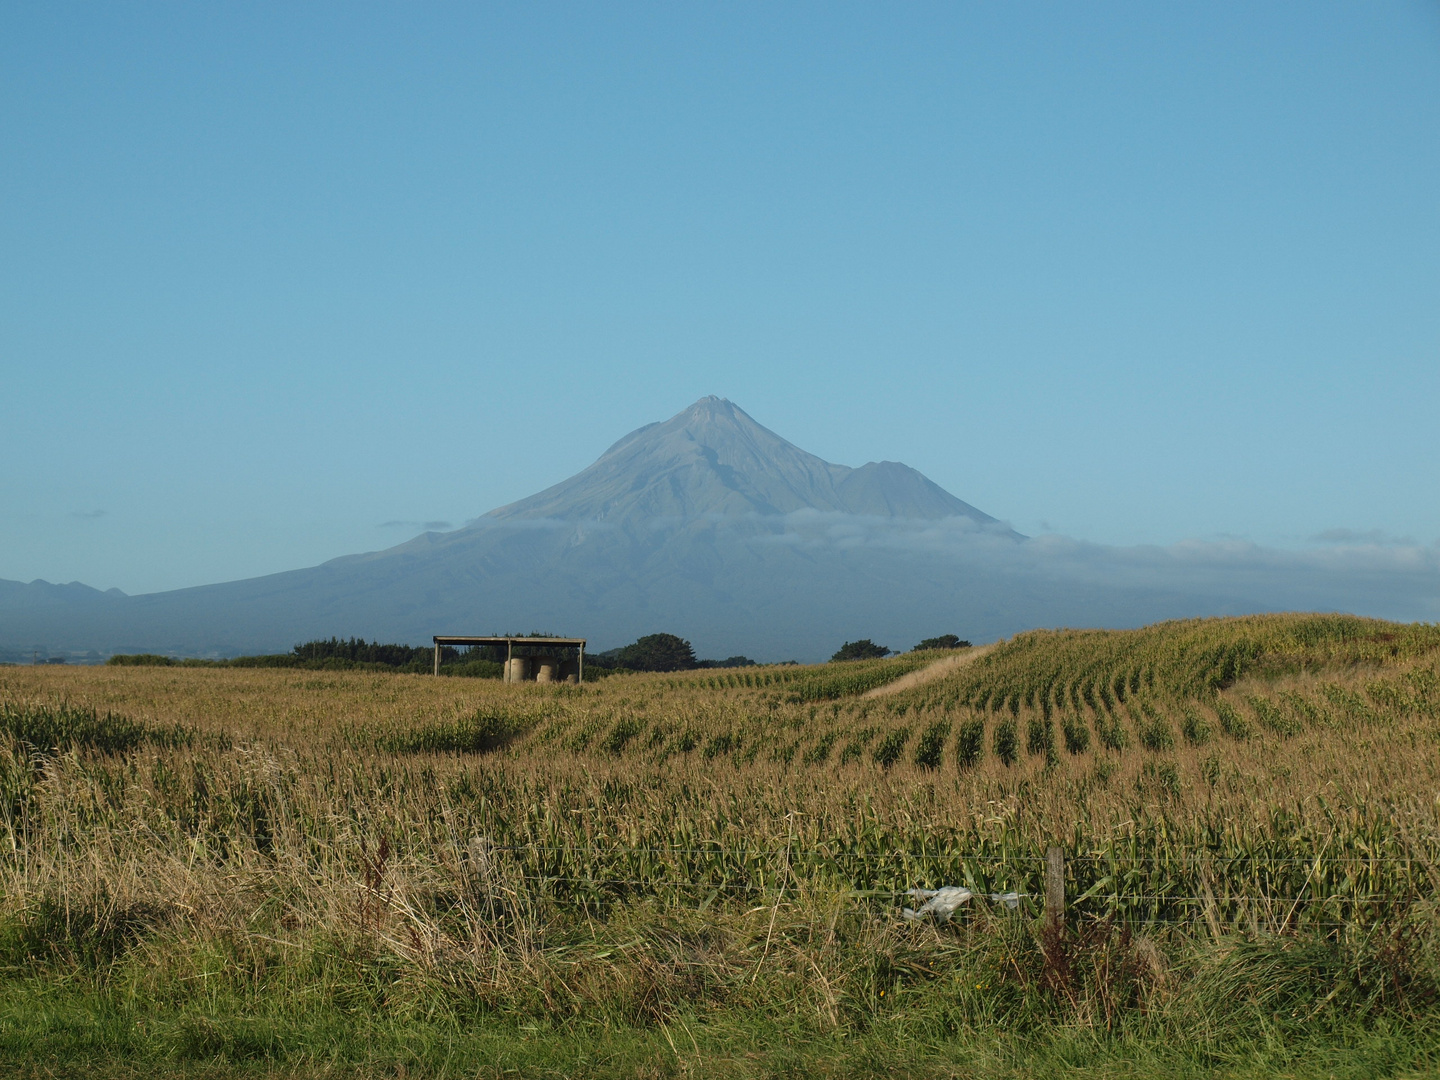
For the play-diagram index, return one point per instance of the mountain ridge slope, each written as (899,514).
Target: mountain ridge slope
(714,458)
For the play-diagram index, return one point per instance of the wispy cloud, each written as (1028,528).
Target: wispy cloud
(421,526)
(1356,536)
(1374,574)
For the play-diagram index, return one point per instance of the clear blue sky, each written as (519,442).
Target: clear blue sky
(272,276)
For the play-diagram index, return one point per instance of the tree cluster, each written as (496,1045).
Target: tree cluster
(944,641)
(864,649)
(360,651)
(656,652)
(661,652)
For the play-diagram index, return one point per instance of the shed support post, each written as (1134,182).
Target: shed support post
(437,658)
(1054,888)
(581,677)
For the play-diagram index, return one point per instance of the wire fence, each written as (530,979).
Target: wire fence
(1315,889)
(597,851)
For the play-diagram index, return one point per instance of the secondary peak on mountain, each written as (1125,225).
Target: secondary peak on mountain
(714,459)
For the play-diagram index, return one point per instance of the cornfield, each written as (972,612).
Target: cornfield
(658,840)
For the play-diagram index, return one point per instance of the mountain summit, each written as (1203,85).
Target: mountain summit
(714,459)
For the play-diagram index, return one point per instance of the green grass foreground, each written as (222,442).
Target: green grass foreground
(57,1031)
(983,997)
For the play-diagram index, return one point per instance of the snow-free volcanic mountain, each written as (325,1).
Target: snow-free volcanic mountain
(713,459)
(707,525)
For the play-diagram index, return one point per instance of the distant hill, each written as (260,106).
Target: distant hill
(708,525)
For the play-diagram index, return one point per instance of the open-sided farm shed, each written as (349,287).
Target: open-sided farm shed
(554,664)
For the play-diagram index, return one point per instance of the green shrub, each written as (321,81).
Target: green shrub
(140,660)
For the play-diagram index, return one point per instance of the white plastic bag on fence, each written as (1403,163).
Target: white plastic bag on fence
(944,902)
(940,903)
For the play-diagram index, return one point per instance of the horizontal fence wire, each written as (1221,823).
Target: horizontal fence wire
(1028,906)
(1144,860)
(747,853)
(872,876)
(1113,898)
(1372,898)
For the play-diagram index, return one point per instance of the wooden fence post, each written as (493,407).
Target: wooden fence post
(1054,888)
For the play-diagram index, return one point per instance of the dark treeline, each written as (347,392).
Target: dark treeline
(360,651)
(662,652)
(653,652)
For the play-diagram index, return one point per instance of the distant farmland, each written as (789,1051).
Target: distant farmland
(252,869)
